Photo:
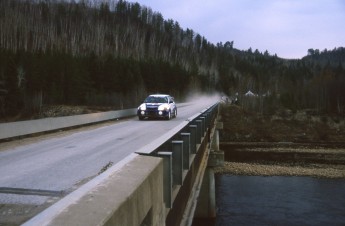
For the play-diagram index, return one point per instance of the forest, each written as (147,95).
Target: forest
(113,53)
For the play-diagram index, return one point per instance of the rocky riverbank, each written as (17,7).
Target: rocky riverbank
(282,145)
(257,169)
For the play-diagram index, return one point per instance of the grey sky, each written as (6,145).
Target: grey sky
(285,27)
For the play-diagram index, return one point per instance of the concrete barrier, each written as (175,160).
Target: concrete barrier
(130,194)
(22,128)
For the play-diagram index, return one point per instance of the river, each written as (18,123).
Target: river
(278,200)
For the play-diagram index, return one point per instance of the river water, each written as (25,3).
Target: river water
(277,200)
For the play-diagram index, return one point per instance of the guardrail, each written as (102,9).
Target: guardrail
(23,128)
(183,150)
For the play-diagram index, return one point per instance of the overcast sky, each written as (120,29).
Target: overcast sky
(287,28)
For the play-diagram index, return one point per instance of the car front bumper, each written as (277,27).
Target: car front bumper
(152,113)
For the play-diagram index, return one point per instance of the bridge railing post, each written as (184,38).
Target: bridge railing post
(203,125)
(167,177)
(198,131)
(177,154)
(186,150)
(207,123)
(193,131)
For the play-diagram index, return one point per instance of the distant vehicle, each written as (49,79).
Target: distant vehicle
(157,106)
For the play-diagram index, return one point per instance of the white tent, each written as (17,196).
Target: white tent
(250,94)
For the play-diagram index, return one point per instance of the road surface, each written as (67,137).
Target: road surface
(40,173)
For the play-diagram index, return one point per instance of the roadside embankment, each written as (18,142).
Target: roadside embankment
(275,159)
(282,144)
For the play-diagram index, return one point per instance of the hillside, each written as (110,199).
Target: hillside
(111,54)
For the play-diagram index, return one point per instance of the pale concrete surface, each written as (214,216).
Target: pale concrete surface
(21,128)
(128,196)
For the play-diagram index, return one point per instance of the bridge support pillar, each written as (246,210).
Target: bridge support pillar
(206,207)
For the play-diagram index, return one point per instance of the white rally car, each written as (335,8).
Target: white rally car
(157,106)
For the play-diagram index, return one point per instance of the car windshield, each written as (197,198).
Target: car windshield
(154,99)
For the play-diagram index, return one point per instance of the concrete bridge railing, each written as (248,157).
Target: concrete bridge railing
(185,158)
(23,128)
(158,185)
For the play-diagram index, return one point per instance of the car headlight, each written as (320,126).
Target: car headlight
(163,107)
(142,107)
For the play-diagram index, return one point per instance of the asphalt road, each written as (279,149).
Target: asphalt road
(44,171)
